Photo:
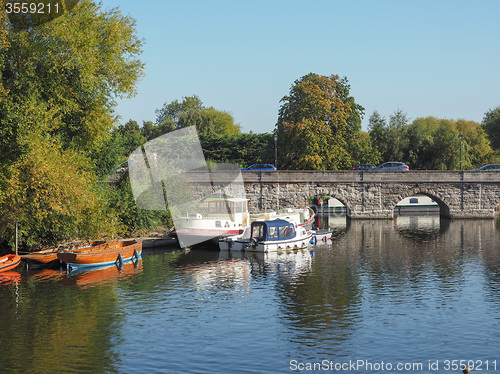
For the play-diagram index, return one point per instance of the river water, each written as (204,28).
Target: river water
(416,295)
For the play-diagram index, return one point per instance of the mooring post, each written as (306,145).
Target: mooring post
(16,238)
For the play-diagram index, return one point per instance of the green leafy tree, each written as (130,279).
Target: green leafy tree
(175,109)
(361,150)
(317,122)
(432,143)
(242,149)
(192,112)
(131,137)
(479,151)
(59,82)
(379,135)
(389,138)
(491,124)
(398,123)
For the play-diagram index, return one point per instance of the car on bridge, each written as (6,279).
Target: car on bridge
(392,165)
(490,167)
(261,167)
(363,167)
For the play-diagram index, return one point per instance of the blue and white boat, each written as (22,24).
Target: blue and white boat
(268,236)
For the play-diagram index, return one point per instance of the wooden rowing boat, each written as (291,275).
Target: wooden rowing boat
(48,257)
(102,255)
(9,262)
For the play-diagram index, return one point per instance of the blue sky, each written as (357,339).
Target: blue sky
(426,58)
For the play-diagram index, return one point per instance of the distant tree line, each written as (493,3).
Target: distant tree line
(430,143)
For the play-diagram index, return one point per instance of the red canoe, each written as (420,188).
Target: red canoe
(9,262)
(101,255)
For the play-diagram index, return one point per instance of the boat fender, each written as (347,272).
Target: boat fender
(254,242)
(325,238)
(119,262)
(136,254)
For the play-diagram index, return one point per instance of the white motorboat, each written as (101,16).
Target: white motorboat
(217,218)
(267,236)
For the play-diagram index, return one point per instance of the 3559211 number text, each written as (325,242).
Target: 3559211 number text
(32,8)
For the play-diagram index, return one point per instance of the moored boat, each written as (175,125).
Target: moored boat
(266,236)
(9,262)
(102,255)
(217,218)
(48,257)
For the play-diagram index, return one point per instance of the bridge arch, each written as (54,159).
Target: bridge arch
(327,195)
(444,209)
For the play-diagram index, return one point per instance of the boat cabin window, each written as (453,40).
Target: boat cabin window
(223,206)
(287,231)
(284,231)
(218,224)
(218,207)
(258,231)
(273,233)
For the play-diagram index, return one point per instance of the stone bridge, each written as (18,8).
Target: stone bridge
(374,194)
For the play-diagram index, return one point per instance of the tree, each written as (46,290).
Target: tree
(241,149)
(389,138)
(491,124)
(192,112)
(131,137)
(378,131)
(59,82)
(76,65)
(175,109)
(433,143)
(398,123)
(317,122)
(361,150)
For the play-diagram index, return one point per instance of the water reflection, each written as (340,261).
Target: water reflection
(421,227)
(415,278)
(393,290)
(236,269)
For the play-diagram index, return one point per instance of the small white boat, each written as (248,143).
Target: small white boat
(267,236)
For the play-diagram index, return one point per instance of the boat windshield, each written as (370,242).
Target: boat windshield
(259,231)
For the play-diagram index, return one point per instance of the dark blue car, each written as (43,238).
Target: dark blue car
(261,167)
